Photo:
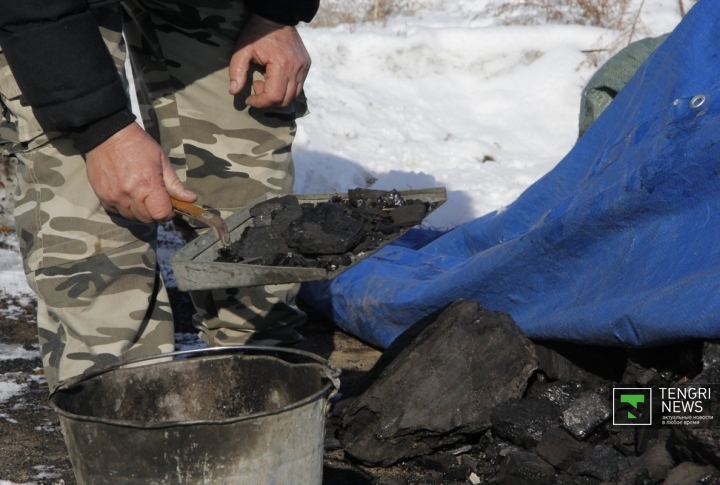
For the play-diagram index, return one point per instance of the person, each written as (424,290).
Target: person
(219,86)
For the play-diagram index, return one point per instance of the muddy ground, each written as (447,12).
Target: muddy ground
(32,449)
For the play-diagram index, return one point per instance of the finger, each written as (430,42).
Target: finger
(298,89)
(238,70)
(158,205)
(273,91)
(141,212)
(290,91)
(174,186)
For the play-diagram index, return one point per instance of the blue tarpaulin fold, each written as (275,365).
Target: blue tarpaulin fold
(618,245)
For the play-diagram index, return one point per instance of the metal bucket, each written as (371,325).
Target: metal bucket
(225,415)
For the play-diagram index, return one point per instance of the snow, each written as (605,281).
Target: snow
(12,277)
(448,98)
(8,352)
(9,388)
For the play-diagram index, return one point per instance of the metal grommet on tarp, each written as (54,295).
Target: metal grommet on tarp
(697,101)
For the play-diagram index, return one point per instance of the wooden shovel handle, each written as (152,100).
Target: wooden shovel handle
(205,217)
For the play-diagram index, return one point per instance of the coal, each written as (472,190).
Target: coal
(375,198)
(653,466)
(267,212)
(561,450)
(325,229)
(523,421)
(699,445)
(263,242)
(585,414)
(561,393)
(603,464)
(689,473)
(581,362)
(437,384)
(567,479)
(524,468)
(327,235)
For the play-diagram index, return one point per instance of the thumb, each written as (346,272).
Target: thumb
(174,187)
(238,70)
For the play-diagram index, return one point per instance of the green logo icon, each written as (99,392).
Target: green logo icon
(632,406)
(633,400)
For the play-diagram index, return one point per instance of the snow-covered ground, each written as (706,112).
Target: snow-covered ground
(447,98)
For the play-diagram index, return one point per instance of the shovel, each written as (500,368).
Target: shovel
(205,217)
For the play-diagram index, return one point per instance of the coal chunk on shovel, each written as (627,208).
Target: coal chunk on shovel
(326,229)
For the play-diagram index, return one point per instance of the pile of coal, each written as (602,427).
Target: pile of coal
(326,235)
(465,397)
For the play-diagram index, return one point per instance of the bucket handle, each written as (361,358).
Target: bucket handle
(332,374)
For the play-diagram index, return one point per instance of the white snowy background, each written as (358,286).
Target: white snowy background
(448,96)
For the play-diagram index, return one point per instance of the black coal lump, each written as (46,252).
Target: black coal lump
(282,219)
(260,242)
(369,242)
(264,212)
(326,229)
(371,215)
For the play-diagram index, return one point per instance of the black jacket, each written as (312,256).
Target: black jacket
(65,72)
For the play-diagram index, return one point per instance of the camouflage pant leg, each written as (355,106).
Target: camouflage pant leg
(233,153)
(99,297)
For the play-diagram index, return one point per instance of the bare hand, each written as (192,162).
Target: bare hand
(280,50)
(132,176)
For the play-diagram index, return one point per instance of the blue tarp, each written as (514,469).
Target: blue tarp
(618,245)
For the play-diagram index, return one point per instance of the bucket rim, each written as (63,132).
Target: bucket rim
(331,373)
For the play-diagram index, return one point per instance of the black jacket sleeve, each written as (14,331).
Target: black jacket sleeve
(65,72)
(288,12)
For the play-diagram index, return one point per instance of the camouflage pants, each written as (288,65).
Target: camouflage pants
(100,297)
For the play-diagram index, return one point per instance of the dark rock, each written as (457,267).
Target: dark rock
(559,361)
(645,438)
(469,462)
(561,393)
(326,229)
(375,198)
(573,362)
(523,468)
(710,364)
(390,481)
(371,215)
(602,464)
(523,421)
(561,450)
(438,461)
(699,445)
(669,362)
(260,242)
(651,467)
(657,461)
(585,414)
(369,242)
(457,473)
(281,221)
(264,212)
(567,479)
(409,215)
(689,473)
(437,384)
